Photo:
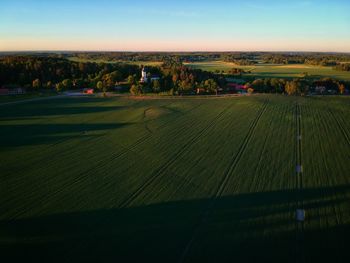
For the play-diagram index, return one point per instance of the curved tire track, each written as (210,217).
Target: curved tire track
(162,168)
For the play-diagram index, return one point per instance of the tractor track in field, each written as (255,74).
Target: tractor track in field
(162,168)
(332,194)
(224,181)
(324,125)
(299,225)
(341,126)
(318,118)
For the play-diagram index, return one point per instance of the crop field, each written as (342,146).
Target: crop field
(274,70)
(175,180)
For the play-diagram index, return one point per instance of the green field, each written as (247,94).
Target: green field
(139,63)
(175,180)
(274,70)
(32,95)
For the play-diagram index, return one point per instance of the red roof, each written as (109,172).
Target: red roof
(236,86)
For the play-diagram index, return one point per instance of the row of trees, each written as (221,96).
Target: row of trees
(317,59)
(342,67)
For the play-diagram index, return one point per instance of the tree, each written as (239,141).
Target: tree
(250,90)
(132,79)
(59,87)
(110,79)
(36,84)
(136,89)
(49,84)
(156,85)
(79,83)
(291,88)
(276,85)
(258,85)
(341,89)
(295,87)
(99,85)
(175,78)
(67,83)
(211,86)
(303,87)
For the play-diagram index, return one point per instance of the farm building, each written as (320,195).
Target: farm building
(234,87)
(88,91)
(201,91)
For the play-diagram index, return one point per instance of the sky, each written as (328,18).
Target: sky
(169,25)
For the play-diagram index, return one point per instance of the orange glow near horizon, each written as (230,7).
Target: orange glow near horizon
(37,44)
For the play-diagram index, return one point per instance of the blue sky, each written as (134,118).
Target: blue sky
(304,25)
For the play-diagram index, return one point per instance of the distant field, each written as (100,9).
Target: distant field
(145,63)
(275,71)
(175,180)
(257,71)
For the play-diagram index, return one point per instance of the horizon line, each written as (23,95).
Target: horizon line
(173,51)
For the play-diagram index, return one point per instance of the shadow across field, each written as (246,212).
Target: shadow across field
(250,227)
(38,134)
(25,111)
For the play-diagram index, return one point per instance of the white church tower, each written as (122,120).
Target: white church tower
(143,75)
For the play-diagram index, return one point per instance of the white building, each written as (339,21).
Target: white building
(144,77)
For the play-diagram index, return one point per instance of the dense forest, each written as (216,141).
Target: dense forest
(37,72)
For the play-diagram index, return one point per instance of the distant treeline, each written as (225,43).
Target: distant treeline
(143,56)
(307,58)
(240,58)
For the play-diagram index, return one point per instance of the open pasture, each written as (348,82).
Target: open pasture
(175,180)
(274,70)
